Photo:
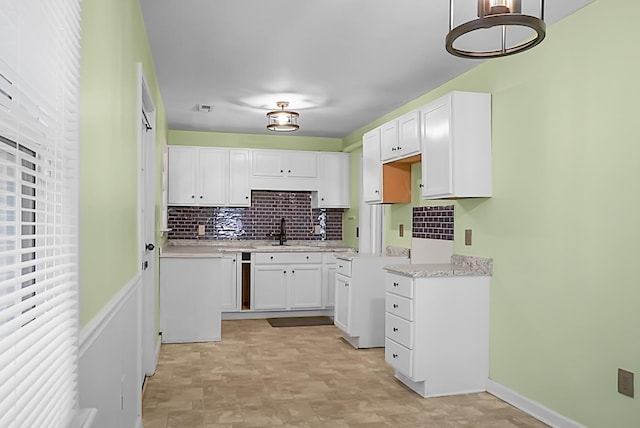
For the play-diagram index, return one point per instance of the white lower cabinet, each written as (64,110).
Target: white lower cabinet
(360,298)
(329,264)
(287,281)
(190,299)
(230,291)
(437,333)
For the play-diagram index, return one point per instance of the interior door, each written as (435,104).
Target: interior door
(147,201)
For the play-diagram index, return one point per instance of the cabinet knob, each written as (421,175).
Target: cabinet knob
(307,257)
(193,196)
(289,171)
(421,185)
(284,271)
(282,170)
(395,284)
(234,260)
(377,191)
(246,197)
(399,148)
(395,329)
(200,196)
(395,306)
(293,271)
(394,355)
(340,266)
(322,199)
(393,149)
(271,257)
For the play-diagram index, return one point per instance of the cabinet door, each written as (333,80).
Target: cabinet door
(330,286)
(183,163)
(409,134)
(371,167)
(305,286)
(229,293)
(437,149)
(239,190)
(213,176)
(341,311)
(189,299)
(389,140)
(333,184)
(268,163)
(301,164)
(269,287)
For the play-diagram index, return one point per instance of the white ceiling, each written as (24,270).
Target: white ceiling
(340,63)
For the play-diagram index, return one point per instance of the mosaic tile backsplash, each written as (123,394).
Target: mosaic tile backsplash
(433,222)
(259,221)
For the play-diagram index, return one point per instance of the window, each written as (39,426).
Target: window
(39,63)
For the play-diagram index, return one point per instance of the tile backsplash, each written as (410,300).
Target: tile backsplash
(258,221)
(433,222)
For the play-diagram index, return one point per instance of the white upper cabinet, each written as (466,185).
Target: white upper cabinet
(400,138)
(239,171)
(333,181)
(409,134)
(371,167)
(206,176)
(456,146)
(197,176)
(389,140)
(284,170)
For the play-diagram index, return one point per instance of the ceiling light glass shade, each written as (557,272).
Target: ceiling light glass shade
(494,28)
(282,120)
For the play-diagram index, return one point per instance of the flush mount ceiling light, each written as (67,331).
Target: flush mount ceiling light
(282,120)
(500,28)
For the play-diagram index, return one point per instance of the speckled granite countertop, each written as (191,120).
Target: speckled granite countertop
(213,249)
(459,266)
(390,251)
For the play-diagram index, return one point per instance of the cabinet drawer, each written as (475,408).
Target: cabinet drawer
(287,258)
(399,306)
(398,284)
(399,357)
(399,330)
(343,267)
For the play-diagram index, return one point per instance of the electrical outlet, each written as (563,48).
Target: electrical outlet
(316,229)
(467,237)
(201,229)
(625,382)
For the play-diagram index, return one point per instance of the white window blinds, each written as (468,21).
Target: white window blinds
(39,89)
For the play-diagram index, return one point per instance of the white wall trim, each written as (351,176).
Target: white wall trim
(96,326)
(139,423)
(537,410)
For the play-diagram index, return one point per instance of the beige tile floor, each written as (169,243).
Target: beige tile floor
(260,376)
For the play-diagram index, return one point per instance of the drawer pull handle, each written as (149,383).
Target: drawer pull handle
(394,355)
(340,266)
(395,329)
(395,306)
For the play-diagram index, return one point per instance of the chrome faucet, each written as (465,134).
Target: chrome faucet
(283,232)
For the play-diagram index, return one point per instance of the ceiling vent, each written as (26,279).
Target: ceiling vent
(205,108)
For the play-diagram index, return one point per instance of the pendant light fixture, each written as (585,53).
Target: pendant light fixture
(514,30)
(282,120)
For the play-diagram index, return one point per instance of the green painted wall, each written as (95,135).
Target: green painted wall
(113,42)
(562,224)
(253,141)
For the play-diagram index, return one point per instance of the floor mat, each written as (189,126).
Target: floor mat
(299,321)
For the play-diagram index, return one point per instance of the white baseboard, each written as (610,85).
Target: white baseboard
(96,326)
(252,315)
(537,410)
(139,423)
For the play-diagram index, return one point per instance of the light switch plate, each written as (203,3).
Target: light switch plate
(467,237)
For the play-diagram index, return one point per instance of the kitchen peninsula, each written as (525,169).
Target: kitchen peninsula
(203,281)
